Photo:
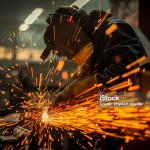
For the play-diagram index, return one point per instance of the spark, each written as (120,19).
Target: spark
(88,90)
(113,79)
(83,114)
(136,62)
(88,117)
(40,80)
(131,72)
(60,65)
(121,85)
(77,34)
(111,29)
(134,88)
(75,31)
(32,72)
(65,75)
(101,20)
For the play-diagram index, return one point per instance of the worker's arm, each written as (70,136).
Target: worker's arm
(120,48)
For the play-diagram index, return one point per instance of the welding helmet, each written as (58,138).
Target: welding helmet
(65,32)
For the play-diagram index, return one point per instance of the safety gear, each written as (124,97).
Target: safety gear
(64,32)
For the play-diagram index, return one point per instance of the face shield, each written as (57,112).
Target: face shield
(65,34)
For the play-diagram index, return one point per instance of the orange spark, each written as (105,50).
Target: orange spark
(136,62)
(134,88)
(113,79)
(111,29)
(90,89)
(120,84)
(65,75)
(60,65)
(131,72)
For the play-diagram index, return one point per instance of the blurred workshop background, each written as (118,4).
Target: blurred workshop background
(22,24)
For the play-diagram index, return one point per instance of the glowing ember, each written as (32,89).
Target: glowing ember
(65,75)
(60,65)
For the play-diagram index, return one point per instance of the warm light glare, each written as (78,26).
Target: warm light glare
(23,27)
(33,16)
(80,3)
(45,115)
(31,19)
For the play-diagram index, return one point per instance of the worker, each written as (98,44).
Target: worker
(101,45)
